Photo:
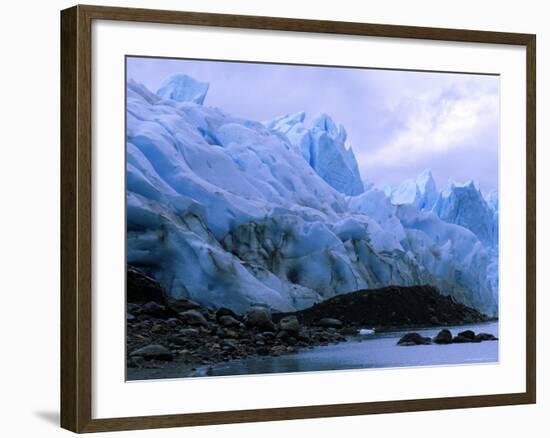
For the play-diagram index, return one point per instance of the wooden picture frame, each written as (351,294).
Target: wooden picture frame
(76,217)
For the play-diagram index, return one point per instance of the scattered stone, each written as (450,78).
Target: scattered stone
(191,332)
(443,337)
(173,322)
(157,328)
(229,344)
(224,311)
(154,309)
(229,321)
(193,317)
(277,350)
(130,317)
(177,340)
(260,318)
(290,324)
(330,323)
(181,304)
(282,335)
(153,351)
(413,338)
(231,334)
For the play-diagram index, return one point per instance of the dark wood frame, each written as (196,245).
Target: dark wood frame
(76,222)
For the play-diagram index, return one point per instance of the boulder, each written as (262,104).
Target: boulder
(154,309)
(177,340)
(290,325)
(330,323)
(228,321)
(486,337)
(153,351)
(173,322)
(190,332)
(181,304)
(224,311)
(468,334)
(193,317)
(260,318)
(443,337)
(461,339)
(413,338)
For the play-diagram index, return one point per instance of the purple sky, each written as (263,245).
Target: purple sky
(398,122)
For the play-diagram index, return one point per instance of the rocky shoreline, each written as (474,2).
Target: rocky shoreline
(168,338)
(184,336)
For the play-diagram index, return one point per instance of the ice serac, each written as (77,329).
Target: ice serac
(421,192)
(492,200)
(183,88)
(232,212)
(464,205)
(323,146)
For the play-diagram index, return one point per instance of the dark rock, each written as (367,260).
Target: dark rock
(231,334)
(260,318)
(173,322)
(469,334)
(193,317)
(190,332)
(158,328)
(461,339)
(330,322)
(141,288)
(486,337)
(229,344)
(228,321)
(413,338)
(349,331)
(282,335)
(153,351)
(154,309)
(224,311)
(181,305)
(130,317)
(443,337)
(277,350)
(392,306)
(269,335)
(177,340)
(290,324)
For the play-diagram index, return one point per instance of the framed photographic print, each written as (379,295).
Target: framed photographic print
(268,218)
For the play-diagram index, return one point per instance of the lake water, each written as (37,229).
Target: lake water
(378,350)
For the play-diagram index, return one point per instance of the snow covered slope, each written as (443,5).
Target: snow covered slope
(234,212)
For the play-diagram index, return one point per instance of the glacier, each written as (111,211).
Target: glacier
(323,146)
(236,213)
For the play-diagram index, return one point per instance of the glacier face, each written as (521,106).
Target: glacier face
(233,212)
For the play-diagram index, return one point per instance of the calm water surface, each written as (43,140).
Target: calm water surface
(377,350)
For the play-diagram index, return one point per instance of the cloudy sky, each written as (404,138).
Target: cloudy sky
(398,122)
